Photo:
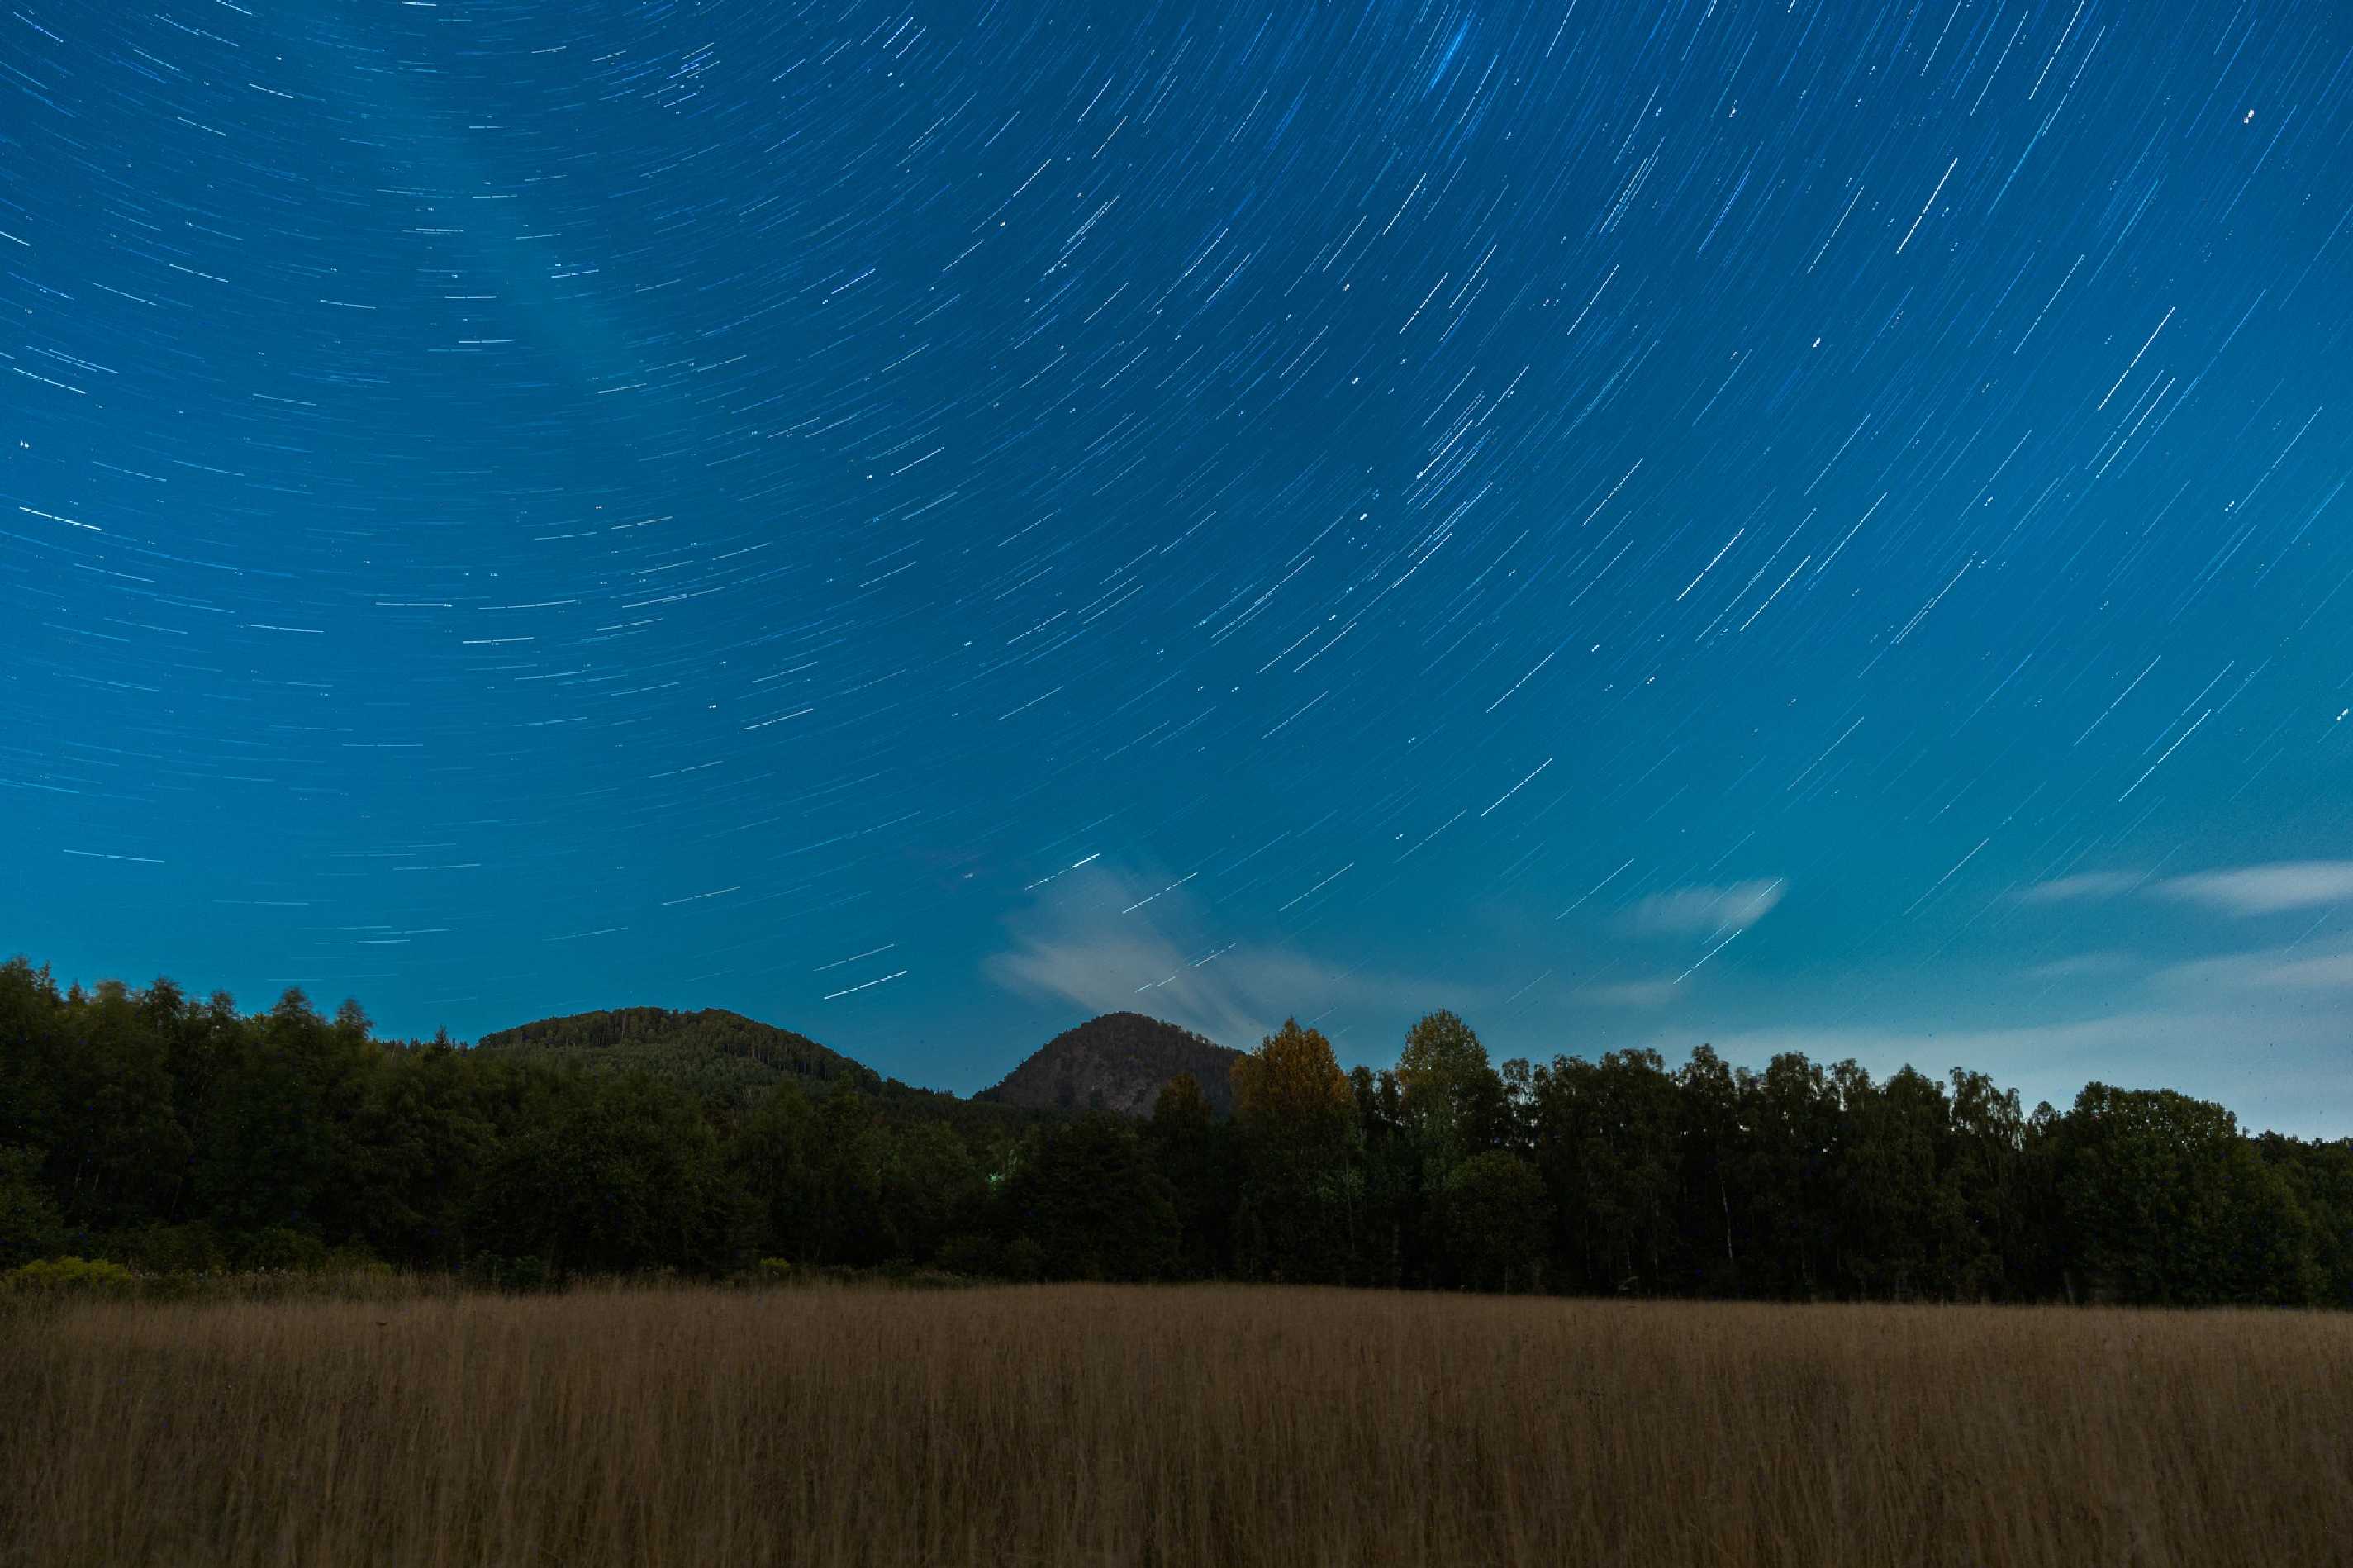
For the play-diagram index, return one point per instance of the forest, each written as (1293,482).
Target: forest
(172,1135)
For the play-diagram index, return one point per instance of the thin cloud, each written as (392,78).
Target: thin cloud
(2268,971)
(2267,889)
(1108,942)
(1707,912)
(1631,993)
(2084,887)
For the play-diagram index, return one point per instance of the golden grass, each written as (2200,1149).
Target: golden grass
(1209,1425)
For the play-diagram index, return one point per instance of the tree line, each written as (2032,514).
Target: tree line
(170,1134)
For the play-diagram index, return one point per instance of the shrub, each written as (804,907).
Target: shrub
(494,1272)
(172,1250)
(971,1254)
(358,1263)
(71,1276)
(281,1248)
(927,1278)
(525,1274)
(28,1219)
(1024,1258)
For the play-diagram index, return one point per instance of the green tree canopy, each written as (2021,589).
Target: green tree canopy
(1453,1099)
(1494,1220)
(1088,1196)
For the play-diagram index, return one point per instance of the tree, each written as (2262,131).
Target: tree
(1984,1220)
(1793,1117)
(2319,1176)
(29,1225)
(2165,1204)
(625,1176)
(115,1151)
(1393,1247)
(1493,1219)
(1291,1090)
(1713,1143)
(848,1156)
(1453,1099)
(1888,1195)
(276,1146)
(1295,1118)
(423,1134)
(933,1188)
(1193,1151)
(1606,1139)
(1087,1197)
(32,1033)
(772,1156)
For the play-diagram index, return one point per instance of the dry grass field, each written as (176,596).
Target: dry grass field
(1211,1426)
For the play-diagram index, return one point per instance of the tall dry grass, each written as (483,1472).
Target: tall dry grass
(1212,1426)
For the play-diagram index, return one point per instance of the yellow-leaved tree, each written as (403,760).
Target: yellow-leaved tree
(1291,1090)
(1295,1117)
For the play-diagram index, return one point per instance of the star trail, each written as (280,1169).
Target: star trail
(1792,525)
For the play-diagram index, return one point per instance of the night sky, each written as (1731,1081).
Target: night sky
(1790,525)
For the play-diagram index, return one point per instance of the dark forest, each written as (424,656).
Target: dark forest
(173,1136)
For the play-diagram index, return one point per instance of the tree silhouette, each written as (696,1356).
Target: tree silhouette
(146,1129)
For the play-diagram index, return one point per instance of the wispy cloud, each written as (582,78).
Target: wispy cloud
(2269,971)
(2267,889)
(1107,942)
(2084,887)
(1706,911)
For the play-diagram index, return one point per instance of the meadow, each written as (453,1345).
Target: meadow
(1102,1425)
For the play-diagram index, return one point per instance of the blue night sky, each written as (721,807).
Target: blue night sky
(1790,525)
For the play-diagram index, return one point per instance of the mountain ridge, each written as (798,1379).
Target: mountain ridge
(1115,1061)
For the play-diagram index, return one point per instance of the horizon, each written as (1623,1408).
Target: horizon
(987,1077)
(1794,531)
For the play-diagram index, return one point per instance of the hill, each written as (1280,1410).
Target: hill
(726,1059)
(1117,1063)
(713,1049)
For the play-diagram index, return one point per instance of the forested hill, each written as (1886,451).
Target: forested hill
(704,1051)
(1118,1063)
(721,1058)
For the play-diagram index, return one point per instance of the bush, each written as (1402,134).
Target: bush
(184,1287)
(171,1249)
(29,1226)
(928,1279)
(523,1275)
(1025,1260)
(278,1248)
(773,1271)
(71,1276)
(970,1254)
(353,1259)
